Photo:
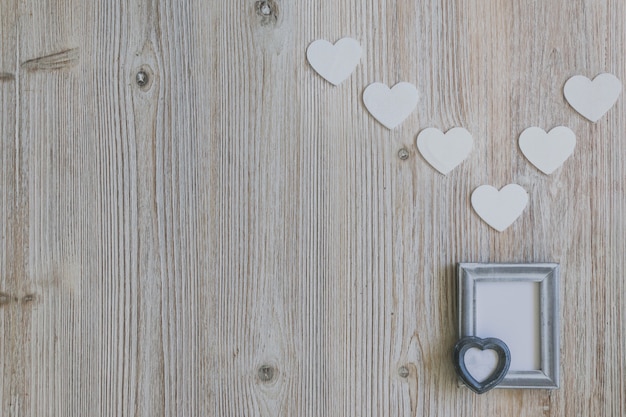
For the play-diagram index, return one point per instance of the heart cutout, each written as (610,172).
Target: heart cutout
(390,106)
(547,151)
(445,151)
(592,99)
(335,63)
(499,209)
(465,349)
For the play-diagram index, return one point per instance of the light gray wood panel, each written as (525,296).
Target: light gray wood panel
(238,237)
(12,214)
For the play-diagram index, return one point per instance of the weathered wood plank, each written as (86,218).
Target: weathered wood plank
(13,229)
(61,332)
(233,236)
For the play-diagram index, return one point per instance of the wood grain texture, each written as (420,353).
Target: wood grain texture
(237,237)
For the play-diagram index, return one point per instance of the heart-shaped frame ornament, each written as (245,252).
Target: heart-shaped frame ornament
(491,343)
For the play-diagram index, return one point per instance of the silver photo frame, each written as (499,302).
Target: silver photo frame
(485,286)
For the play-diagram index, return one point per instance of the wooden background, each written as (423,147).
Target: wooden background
(240,238)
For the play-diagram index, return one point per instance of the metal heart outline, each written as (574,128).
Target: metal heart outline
(491,343)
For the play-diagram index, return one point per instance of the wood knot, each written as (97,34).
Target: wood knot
(266,373)
(268,10)
(28,298)
(59,60)
(404,372)
(5,298)
(144,77)
(403,154)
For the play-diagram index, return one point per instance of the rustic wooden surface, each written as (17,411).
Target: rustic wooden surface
(240,238)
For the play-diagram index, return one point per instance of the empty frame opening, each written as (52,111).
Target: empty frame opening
(510,311)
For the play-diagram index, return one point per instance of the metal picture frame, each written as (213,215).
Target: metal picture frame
(547,277)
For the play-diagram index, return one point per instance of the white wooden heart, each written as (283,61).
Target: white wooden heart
(481,364)
(594,98)
(547,151)
(444,151)
(499,209)
(390,106)
(335,62)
